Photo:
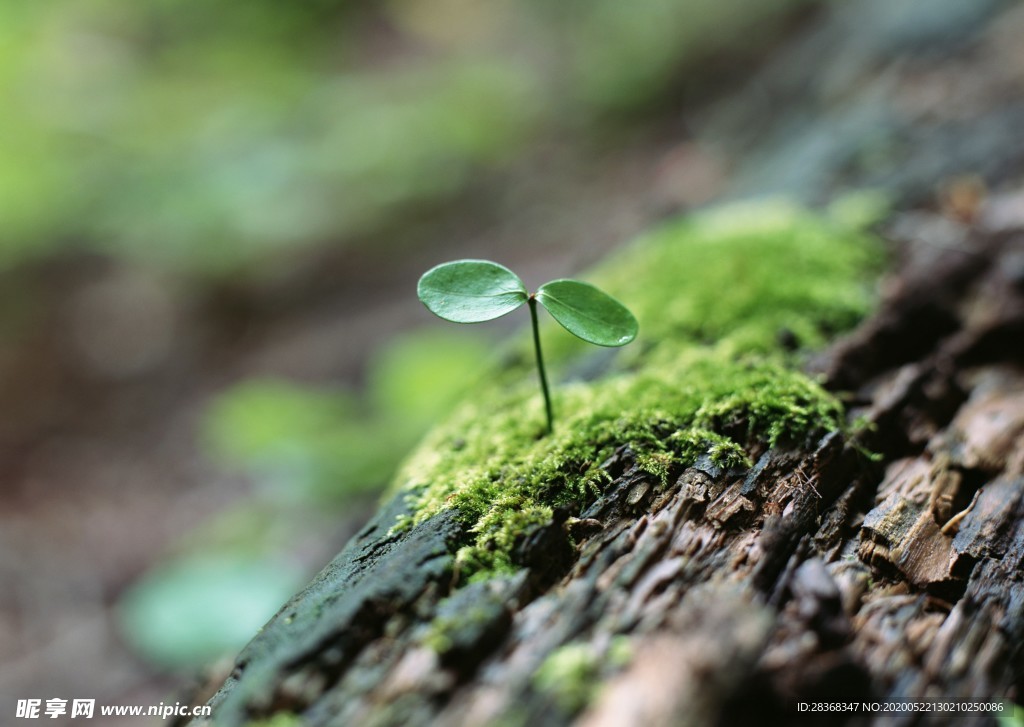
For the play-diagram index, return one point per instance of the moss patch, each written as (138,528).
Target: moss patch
(470,617)
(727,301)
(571,674)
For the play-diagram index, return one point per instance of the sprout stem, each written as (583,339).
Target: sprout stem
(540,364)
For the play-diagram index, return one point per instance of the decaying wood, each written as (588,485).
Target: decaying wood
(815,576)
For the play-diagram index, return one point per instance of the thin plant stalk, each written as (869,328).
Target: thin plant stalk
(540,364)
(472,291)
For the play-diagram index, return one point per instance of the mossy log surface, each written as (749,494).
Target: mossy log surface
(727,595)
(716,591)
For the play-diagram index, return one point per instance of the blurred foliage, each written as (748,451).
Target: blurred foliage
(309,451)
(1010,715)
(417,376)
(194,610)
(304,443)
(624,54)
(295,442)
(213,137)
(208,136)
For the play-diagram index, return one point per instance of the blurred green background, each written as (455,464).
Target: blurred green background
(212,216)
(217,138)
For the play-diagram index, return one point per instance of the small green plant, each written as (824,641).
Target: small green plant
(473,291)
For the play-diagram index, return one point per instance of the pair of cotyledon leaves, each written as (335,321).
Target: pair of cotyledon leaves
(472,291)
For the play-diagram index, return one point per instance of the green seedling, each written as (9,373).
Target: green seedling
(473,291)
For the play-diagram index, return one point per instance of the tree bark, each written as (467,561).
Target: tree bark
(819,576)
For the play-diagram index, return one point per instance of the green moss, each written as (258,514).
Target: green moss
(468,617)
(714,295)
(738,275)
(439,634)
(1010,714)
(569,674)
(443,630)
(572,673)
(620,652)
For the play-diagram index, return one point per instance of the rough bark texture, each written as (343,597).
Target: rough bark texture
(817,575)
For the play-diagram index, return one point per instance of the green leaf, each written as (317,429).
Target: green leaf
(588,313)
(189,612)
(471,291)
